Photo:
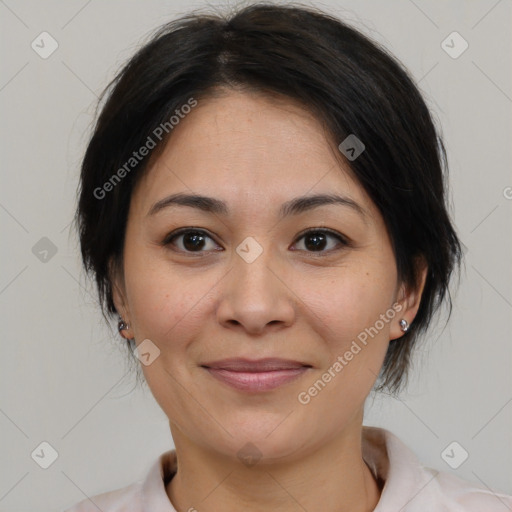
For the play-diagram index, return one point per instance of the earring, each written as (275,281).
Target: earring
(122,325)
(404,325)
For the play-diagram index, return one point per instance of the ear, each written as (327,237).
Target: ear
(409,299)
(116,276)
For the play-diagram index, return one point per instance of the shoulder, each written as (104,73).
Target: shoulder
(147,494)
(451,493)
(120,500)
(409,486)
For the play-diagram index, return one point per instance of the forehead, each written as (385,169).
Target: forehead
(248,149)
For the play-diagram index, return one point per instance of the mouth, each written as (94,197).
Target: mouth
(256,375)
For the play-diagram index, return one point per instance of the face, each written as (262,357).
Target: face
(256,274)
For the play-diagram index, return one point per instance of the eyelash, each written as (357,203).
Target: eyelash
(182,231)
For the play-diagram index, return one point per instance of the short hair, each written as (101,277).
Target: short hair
(349,83)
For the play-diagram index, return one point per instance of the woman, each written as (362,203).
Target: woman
(262,203)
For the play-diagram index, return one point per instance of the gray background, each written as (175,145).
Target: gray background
(64,379)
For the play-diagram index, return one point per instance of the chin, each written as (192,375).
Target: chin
(264,441)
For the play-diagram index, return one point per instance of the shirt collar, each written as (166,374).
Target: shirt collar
(392,461)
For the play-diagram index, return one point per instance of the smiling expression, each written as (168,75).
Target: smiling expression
(245,172)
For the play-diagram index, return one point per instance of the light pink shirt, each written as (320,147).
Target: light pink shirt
(408,486)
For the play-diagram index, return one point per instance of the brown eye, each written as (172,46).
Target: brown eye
(321,241)
(191,240)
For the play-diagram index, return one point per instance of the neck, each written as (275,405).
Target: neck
(333,477)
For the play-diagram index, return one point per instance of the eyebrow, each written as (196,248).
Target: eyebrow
(292,207)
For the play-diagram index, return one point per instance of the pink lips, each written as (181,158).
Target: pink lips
(256,375)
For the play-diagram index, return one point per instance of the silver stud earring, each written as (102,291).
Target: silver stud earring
(404,325)
(122,325)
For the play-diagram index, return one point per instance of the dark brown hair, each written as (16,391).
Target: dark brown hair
(351,84)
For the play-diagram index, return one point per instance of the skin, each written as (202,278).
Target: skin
(294,302)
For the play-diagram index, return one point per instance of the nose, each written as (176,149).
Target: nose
(256,297)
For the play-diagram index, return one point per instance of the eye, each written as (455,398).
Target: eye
(191,240)
(317,240)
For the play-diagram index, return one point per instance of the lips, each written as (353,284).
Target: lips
(260,365)
(256,375)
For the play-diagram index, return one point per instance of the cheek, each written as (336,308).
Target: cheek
(347,311)
(350,302)
(347,314)
(169,308)
(166,305)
